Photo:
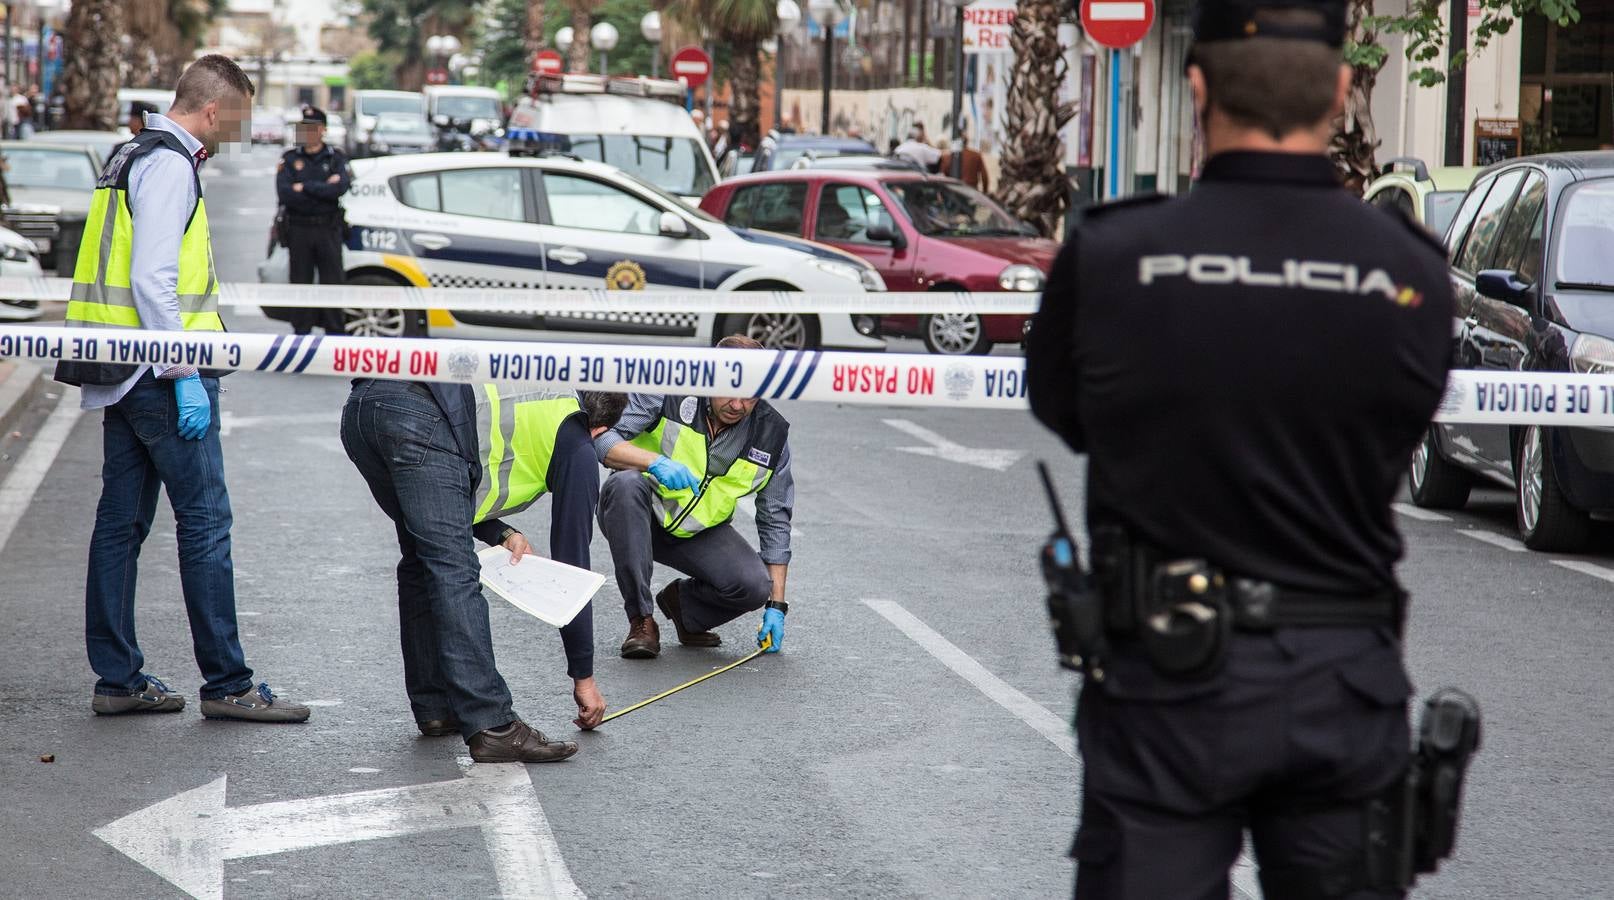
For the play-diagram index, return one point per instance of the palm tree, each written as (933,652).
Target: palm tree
(89,83)
(1033,184)
(535,27)
(1355,139)
(742,26)
(582,21)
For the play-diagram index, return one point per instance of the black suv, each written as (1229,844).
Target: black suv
(1532,264)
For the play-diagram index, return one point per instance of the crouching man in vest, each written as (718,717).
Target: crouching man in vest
(445,462)
(687,462)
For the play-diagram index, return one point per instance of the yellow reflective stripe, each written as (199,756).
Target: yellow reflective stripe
(91,313)
(490,465)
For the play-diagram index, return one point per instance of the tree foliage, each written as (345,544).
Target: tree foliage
(371,71)
(1427,33)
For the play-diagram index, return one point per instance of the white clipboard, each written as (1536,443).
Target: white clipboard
(539,586)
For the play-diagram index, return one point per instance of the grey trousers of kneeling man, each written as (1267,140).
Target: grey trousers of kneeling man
(727,579)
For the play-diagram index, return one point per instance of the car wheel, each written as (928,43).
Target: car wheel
(1546,520)
(381,322)
(777,331)
(954,334)
(1436,482)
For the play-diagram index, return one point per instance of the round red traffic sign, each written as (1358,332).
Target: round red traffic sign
(1117,24)
(692,66)
(548,62)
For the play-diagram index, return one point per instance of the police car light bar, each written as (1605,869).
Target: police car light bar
(632,86)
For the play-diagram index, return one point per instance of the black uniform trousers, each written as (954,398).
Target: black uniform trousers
(1300,729)
(315,247)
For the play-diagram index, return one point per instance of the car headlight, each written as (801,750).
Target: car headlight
(1592,355)
(840,270)
(14,253)
(1020,278)
(872,280)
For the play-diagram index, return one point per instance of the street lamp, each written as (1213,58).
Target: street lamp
(563,40)
(604,36)
(828,14)
(958,86)
(650,27)
(789,13)
(442,46)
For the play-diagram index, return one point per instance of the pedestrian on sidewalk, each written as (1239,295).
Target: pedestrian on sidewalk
(160,424)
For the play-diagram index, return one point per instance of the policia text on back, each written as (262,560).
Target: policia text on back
(1241,625)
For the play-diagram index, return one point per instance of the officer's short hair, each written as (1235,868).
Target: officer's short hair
(213,77)
(1278,85)
(603,408)
(740,342)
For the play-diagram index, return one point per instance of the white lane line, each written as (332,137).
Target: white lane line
(1585,568)
(1495,540)
(18,490)
(229,421)
(1027,710)
(951,451)
(1422,515)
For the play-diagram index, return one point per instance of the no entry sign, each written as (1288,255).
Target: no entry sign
(548,62)
(1117,24)
(692,66)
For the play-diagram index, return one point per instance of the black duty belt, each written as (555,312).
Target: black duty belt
(331,219)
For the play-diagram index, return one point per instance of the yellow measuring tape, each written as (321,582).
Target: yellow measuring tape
(766,643)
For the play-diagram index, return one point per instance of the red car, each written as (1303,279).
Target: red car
(922,232)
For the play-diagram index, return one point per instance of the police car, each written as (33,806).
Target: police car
(470,220)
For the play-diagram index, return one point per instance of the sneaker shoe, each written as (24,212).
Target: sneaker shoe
(670,607)
(154,697)
(518,742)
(257,704)
(644,639)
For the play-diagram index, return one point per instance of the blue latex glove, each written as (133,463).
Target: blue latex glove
(773,626)
(195,410)
(674,474)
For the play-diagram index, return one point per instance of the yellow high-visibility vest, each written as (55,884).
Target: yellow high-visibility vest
(517,436)
(681,435)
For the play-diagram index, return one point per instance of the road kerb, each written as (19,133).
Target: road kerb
(20,383)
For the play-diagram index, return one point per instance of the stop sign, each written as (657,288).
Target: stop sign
(1117,24)
(548,62)
(692,66)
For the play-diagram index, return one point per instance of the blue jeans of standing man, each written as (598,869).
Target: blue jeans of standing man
(144,452)
(395,433)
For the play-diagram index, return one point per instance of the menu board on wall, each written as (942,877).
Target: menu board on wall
(1495,140)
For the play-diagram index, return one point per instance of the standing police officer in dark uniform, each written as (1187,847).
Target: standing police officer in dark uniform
(312,178)
(1248,369)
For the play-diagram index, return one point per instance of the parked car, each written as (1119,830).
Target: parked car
(102,142)
(637,127)
(398,133)
(50,188)
(369,106)
(335,130)
(780,151)
(922,232)
(18,260)
(1430,196)
(269,126)
(1532,265)
(127,96)
(490,220)
(477,112)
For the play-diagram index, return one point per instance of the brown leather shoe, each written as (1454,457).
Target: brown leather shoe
(670,607)
(644,639)
(439,727)
(518,742)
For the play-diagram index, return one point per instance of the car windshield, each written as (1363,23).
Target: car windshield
(676,165)
(67,170)
(1439,208)
(946,210)
(380,106)
(1585,253)
(465,108)
(401,125)
(785,158)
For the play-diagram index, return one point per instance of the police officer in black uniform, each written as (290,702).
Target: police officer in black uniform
(1248,369)
(312,178)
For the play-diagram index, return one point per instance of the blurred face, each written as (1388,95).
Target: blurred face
(309,135)
(730,411)
(225,122)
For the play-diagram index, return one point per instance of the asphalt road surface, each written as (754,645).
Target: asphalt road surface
(909,742)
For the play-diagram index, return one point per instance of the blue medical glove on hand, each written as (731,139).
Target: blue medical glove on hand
(195,410)
(673,474)
(773,625)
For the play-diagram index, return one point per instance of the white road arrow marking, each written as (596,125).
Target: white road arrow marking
(942,448)
(229,421)
(186,838)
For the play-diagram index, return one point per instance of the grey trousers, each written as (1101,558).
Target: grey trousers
(727,578)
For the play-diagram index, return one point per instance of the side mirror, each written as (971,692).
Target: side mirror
(673,225)
(1504,285)
(441,121)
(882,232)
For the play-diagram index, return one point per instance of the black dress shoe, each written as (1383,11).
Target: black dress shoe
(672,609)
(518,742)
(439,727)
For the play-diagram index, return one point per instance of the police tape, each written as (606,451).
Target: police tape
(887,379)
(578,301)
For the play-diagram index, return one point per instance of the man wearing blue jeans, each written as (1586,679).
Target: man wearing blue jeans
(147,263)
